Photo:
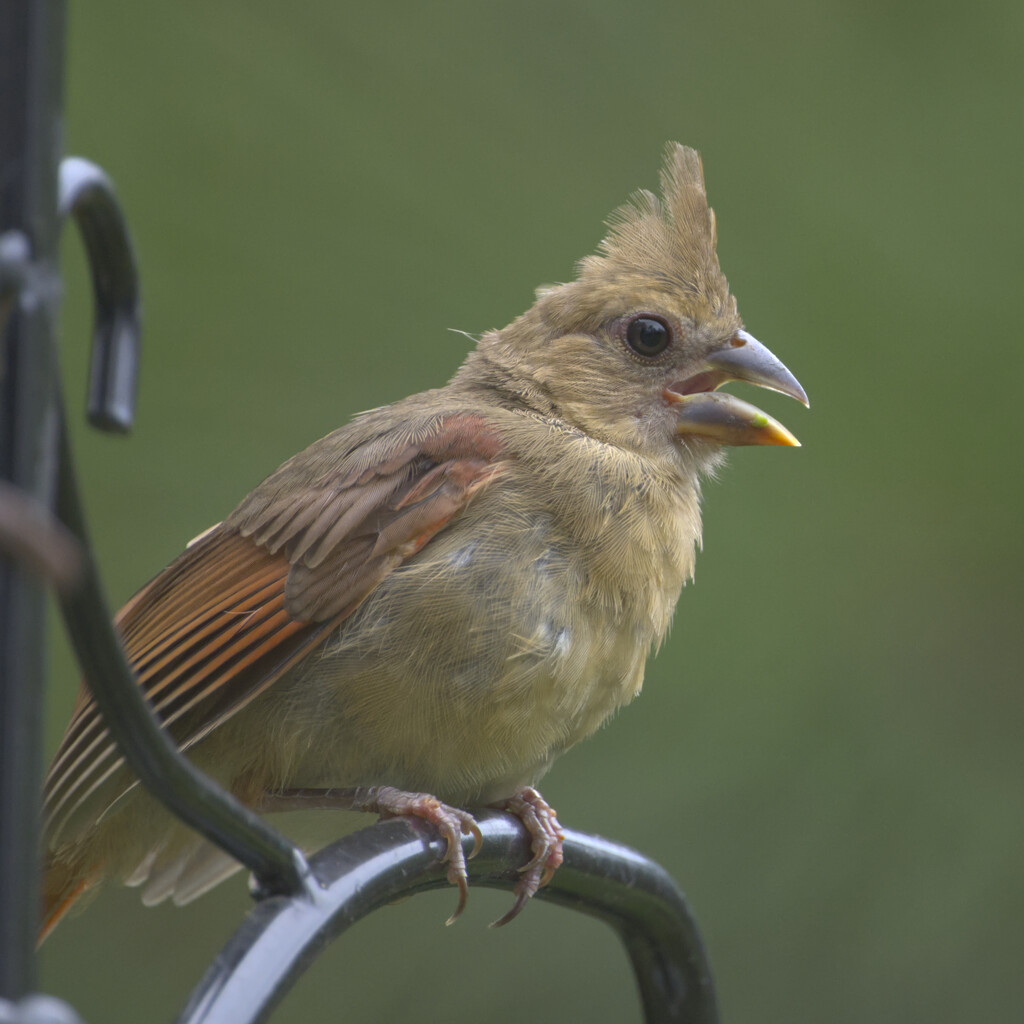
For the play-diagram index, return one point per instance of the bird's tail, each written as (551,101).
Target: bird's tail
(64,884)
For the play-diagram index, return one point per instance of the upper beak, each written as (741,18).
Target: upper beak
(724,418)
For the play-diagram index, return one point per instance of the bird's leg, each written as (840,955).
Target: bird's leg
(389,802)
(546,835)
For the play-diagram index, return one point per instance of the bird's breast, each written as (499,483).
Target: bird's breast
(510,637)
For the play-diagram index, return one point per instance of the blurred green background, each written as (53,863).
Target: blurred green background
(827,754)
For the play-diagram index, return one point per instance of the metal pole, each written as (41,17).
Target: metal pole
(31,94)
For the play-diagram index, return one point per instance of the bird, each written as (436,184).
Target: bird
(417,614)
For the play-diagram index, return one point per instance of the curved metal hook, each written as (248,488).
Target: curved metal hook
(393,859)
(88,195)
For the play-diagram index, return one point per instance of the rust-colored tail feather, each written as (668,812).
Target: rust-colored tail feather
(63,885)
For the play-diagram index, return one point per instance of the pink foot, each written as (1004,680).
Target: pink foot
(527,805)
(452,823)
(389,802)
(546,834)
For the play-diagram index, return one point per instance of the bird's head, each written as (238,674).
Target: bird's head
(634,350)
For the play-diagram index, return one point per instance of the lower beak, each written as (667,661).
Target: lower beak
(723,418)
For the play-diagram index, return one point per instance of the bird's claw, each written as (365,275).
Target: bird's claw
(541,821)
(452,824)
(537,816)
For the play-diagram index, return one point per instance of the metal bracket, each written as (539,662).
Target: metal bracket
(369,869)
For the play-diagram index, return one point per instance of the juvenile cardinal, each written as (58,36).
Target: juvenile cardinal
(418,613)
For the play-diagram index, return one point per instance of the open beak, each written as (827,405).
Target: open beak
(725,419)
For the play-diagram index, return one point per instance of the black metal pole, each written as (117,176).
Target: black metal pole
(31,94)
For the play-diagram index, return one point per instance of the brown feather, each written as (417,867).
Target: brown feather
(247,600)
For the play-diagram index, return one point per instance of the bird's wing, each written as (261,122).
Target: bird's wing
(249,598)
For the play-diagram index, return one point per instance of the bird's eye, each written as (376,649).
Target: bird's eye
(648,336)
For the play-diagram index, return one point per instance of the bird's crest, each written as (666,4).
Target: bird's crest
(671,239)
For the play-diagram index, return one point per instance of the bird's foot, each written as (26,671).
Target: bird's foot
(389,802)
(541,821)
(452,823)
(537,816)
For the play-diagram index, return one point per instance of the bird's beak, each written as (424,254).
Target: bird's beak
(725,419)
